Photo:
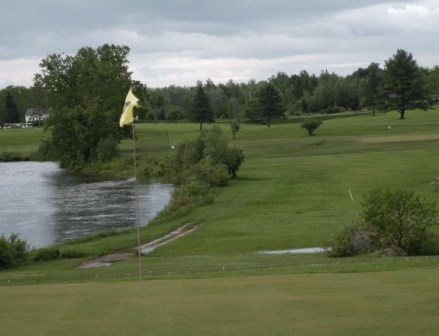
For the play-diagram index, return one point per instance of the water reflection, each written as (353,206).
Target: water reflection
(46,206)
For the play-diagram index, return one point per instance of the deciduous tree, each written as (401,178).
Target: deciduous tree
(85,93)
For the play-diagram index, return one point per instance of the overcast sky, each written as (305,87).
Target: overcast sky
(180,42)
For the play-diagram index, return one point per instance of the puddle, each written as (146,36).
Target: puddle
(296,251)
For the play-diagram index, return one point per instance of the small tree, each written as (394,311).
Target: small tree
(311,125)
(234,126)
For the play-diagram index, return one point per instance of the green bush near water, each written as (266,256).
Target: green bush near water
(13,251)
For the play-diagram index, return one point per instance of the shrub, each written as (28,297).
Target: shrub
(393,222)
(311,125)
(193,192)
(205,171)
(234,126)
(233,158)
(106,149)
(46,254)
(352,240)
(13,251)
(72,254)
(400,219)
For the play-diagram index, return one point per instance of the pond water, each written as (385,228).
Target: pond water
(45,205)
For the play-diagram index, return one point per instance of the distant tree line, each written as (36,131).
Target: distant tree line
(85,94)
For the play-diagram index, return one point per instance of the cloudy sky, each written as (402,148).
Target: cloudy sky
(180,42)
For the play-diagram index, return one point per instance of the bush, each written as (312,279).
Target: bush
(106,149)
(205,171)
(393,222)
(46,254)
(13,157)
(72,254)
(351,241)
(193,192)
(233,158)
(13,251)
(311,125)
(400,219)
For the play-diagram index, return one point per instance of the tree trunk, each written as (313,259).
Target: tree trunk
(268,122)
(402,113)
(201,126)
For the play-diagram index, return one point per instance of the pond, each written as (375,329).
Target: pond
(44,205)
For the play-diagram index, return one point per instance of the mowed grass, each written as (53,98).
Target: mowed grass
(18,140)
(386,303)
(295,191)
(292,192)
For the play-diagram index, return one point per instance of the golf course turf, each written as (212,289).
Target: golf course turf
(293,191)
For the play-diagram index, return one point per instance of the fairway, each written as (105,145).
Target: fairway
(293,191)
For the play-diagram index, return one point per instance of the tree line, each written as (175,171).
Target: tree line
(84,94)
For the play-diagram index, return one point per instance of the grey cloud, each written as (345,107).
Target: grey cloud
(219,37)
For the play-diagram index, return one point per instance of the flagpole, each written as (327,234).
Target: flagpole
(136,192)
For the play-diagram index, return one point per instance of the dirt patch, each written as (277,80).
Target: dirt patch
(108,259)
(178,233)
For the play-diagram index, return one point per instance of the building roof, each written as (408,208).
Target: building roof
(35,111)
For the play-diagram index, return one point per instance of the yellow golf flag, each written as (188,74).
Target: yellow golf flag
(127,113)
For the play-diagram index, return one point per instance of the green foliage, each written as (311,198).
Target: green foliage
(393,222)
(106,149)
(201,165)
(13,157)
(234,126)
(46,254)
(270,103)
(373,87)
(233,158)
(13,251)
(399,219)
(405,87)
(350,241)
(311,124)
(85,93)
(210,144)
(201,111)
(11,113)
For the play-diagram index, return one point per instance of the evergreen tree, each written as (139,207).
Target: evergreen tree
(373,87)
(201,111)
(11,113)
(270,103)
(405,87)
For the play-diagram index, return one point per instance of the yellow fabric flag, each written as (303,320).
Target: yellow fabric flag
(127,113)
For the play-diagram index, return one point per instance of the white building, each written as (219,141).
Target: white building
(35,114)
